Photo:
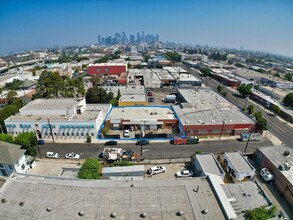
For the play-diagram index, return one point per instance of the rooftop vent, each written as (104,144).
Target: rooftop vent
(286,153)
(179,213)
(49,209)
(81,213)
(113,215)
(143,215)
(205,211)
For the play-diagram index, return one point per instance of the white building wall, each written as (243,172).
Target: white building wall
(21,165)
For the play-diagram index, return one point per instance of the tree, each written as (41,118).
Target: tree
(260,213)
(230,61)
(258,115)
(1,90)
(28,141)
(219,88)
(206,71)
(14,85)
(173,56)
(11,96)
(277,75)
(98,95)
(95,80)
(6,138)
(288,100)
(276,109)
(90,169)
(250,109)
(245,89)
(288,76)
(256,87)
(261,124)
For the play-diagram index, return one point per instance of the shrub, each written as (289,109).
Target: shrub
(90,169)
(123,163)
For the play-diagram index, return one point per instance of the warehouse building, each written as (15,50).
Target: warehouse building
(68,119)
(107,68)
(278,159)
(206,113)
(148,122)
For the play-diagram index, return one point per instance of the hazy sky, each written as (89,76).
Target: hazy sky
(256,24)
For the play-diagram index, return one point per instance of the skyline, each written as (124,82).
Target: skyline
(260,26)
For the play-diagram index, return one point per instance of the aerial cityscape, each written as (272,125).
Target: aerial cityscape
(146,109)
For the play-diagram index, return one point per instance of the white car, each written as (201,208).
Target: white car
(266,174)
(52,155)
(155,170)
(184,173)
(126,133)
(72,156)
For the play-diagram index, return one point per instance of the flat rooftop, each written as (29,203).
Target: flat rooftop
(51,104)
(204,106)
(163,74)
(98,199)
(275,155)
(141,113)
(89,115)
(133,98)
(280,92)
(246,195)
(107,64)
(239,162)
(209,164)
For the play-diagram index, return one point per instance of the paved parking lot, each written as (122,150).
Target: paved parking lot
(171,169)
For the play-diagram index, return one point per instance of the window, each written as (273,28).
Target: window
(46,133)
(216,131)
(77,134)
(189,132)
(17,163)
(10,167)
(67,134)
(92,134)
(82,134)
(22,166)
(1,165)
(87,134)
(72,134)
(63,134)
(202,131)
(55,133)
(99,70)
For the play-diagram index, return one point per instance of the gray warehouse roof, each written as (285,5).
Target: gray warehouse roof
(276,155)
(240,163)
(98,199)
(209,164)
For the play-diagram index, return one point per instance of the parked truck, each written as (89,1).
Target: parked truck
(169,99)
(253,136)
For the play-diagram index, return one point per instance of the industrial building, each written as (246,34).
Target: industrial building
(69,119)
(203,112)
(103,199)
(238,166)
(107,68)
(278,159)
(148,122)
(205,164)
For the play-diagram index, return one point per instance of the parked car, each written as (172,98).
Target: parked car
(151,99)
(126,133)
(184,173)
(108,143)
(149,93)
(142,142)
(266,174)
(72,156)
(40,142)
(155,170)
(52,155)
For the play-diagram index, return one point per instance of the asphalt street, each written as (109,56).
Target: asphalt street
(155,150)
(278,128)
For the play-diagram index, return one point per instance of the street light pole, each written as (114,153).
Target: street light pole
(51,130)
(222,129)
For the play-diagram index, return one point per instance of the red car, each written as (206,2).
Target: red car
(149,94)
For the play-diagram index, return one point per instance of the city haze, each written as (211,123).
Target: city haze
(261,25)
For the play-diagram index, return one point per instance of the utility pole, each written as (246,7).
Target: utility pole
(222,129)
(247,142)
(51,130)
